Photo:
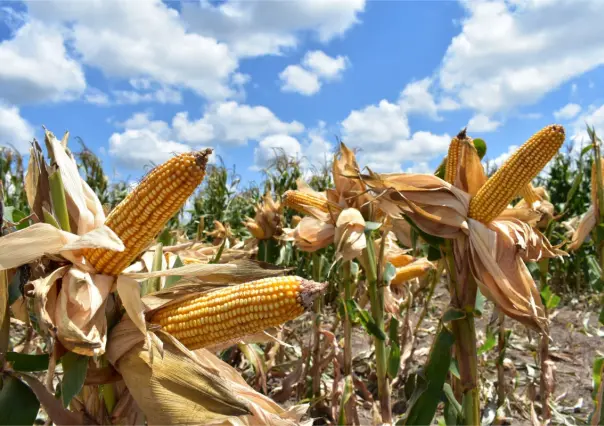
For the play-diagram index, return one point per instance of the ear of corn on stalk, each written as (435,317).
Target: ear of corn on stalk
(516,173)
(302,200)
(453,157)
(408,272)
(145,211)
(529,194)
(236,311)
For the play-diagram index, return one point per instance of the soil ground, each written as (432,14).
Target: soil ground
(576,340)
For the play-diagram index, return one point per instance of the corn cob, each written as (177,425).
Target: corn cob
(145,211)
(529,194)
(453,157)
(594,182)
(518,171)
(230,313)
(414,270)
(400,260)
(304,202)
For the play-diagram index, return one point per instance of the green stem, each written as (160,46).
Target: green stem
(317,267)
(347,323)
(59,203)
(465,341)
(376,295)
(4,315)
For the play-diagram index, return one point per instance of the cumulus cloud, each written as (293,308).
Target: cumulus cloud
(14,129)
(273,145)
(294,78)
(143,39)
(481,123)
(567,112)
(316,68)
(37,68)
(594,117)
(511,53)
(232,123)
(143,141)
(383,134)
(254,28)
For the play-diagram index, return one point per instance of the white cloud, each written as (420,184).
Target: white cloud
(482,123)
(254,28)
(143,141)
(318,151)
(14,129)
(324,65)
(416,97)
(143,39)
(273,145)
(162,95)
(294,78)
(232,123)
(383,134)
(567,112)
(380,124)
(594,117)
(316,67)
(512,53)
(96,96)
(36,66)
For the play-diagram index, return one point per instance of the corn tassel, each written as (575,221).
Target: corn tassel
(518,171)
(145,211)
(232,312)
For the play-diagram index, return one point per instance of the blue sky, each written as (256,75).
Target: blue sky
(140,80)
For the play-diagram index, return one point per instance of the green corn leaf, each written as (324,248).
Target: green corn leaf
(27,362)
(18,404)
(424,404)
(75,368)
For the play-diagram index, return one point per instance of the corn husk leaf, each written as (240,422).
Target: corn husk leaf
(311,234)
(84,207)
(586,225)
(178,388)
(33,242)
(37,187)
(349,236)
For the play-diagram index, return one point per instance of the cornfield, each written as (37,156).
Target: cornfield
(467,296)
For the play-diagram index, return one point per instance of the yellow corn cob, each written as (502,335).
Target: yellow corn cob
(594,182)
(400,260)
(413,270)
(230,313)
(529,194)
(517,172)
(453,157)
(303,202)
(145,211)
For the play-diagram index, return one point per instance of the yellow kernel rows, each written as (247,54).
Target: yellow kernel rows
(300,201)
(233,312)
(518,171)
(145,211)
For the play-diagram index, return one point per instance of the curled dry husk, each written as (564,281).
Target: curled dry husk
(589,219)
(496,252)
(70,301)
(185,387)
(267,221)
(349,235)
